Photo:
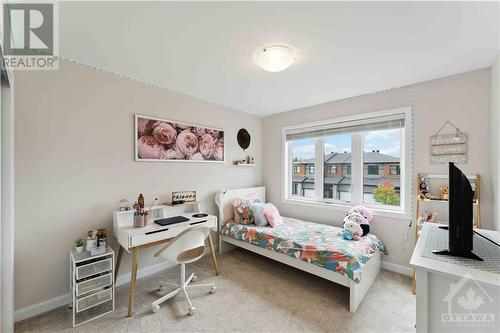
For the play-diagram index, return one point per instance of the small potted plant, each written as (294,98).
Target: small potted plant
(79,245)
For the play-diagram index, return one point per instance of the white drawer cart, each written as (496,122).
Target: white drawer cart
(92,285)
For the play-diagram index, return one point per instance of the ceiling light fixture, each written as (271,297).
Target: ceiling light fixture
(274,58)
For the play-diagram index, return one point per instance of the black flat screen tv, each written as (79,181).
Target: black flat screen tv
(460,232)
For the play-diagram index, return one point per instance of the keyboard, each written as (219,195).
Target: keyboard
(171,220)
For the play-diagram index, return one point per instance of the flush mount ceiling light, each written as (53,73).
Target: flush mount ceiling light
(274,58)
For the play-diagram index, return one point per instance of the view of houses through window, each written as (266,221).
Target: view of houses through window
(381,162)
(381,171)
(337,183)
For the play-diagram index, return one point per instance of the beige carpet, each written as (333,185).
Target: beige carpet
(254,294)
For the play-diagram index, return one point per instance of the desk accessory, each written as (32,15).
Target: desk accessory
(92,287)
(171,220)
(79,245)
(183,197)
(124,205)
(91,240)
(140,219)
(140,200)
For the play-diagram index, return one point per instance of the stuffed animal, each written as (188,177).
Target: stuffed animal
(362,216)
(424,187)
(352,231)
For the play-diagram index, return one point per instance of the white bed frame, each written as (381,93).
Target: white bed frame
(224,200)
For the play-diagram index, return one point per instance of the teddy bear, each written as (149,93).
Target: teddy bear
(352,231)
(362,216)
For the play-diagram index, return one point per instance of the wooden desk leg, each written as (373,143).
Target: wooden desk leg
(133,278)
(214,257)
(118,261)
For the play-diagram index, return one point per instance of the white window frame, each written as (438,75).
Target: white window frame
(406,193)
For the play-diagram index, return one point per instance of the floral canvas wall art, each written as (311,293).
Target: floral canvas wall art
(166,140)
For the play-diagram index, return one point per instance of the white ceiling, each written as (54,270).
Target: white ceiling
(345,49)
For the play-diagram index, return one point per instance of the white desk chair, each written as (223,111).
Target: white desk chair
(185,248)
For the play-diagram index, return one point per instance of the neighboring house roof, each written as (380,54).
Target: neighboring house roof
(338,158)
(333,180)
(342,158)
(304,161)
(303,179)
(380,181)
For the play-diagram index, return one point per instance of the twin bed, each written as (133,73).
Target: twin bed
(311,247)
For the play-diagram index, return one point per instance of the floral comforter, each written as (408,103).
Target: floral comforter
(315,243)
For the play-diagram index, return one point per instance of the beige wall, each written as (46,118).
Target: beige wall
(74,155)
(462,99)
(495,138)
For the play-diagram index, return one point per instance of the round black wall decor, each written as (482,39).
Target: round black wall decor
(243,138)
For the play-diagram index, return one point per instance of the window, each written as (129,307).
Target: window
(330,169)
(303,154)
(296,169)
(394,170)
(362,161)
(373,169)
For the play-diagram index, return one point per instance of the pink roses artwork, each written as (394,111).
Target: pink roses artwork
(165,140)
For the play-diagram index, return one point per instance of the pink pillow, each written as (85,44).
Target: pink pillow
(272,215)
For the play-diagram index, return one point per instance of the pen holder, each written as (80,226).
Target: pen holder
(140,221)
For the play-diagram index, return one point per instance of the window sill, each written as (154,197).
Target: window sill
(345,207)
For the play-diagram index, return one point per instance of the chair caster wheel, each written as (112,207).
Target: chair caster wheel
(194,278)
(192,310)
(156,309)
(213,290)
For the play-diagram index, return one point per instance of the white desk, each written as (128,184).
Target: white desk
(441,283)
(133,239)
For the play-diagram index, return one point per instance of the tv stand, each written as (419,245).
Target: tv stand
(440,285)
(468,255)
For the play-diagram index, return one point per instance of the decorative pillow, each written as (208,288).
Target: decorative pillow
(272,215)
(243,212)
(258,212)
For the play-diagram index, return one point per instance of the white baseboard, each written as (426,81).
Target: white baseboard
(56,302)
(41,307)
(405,270)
